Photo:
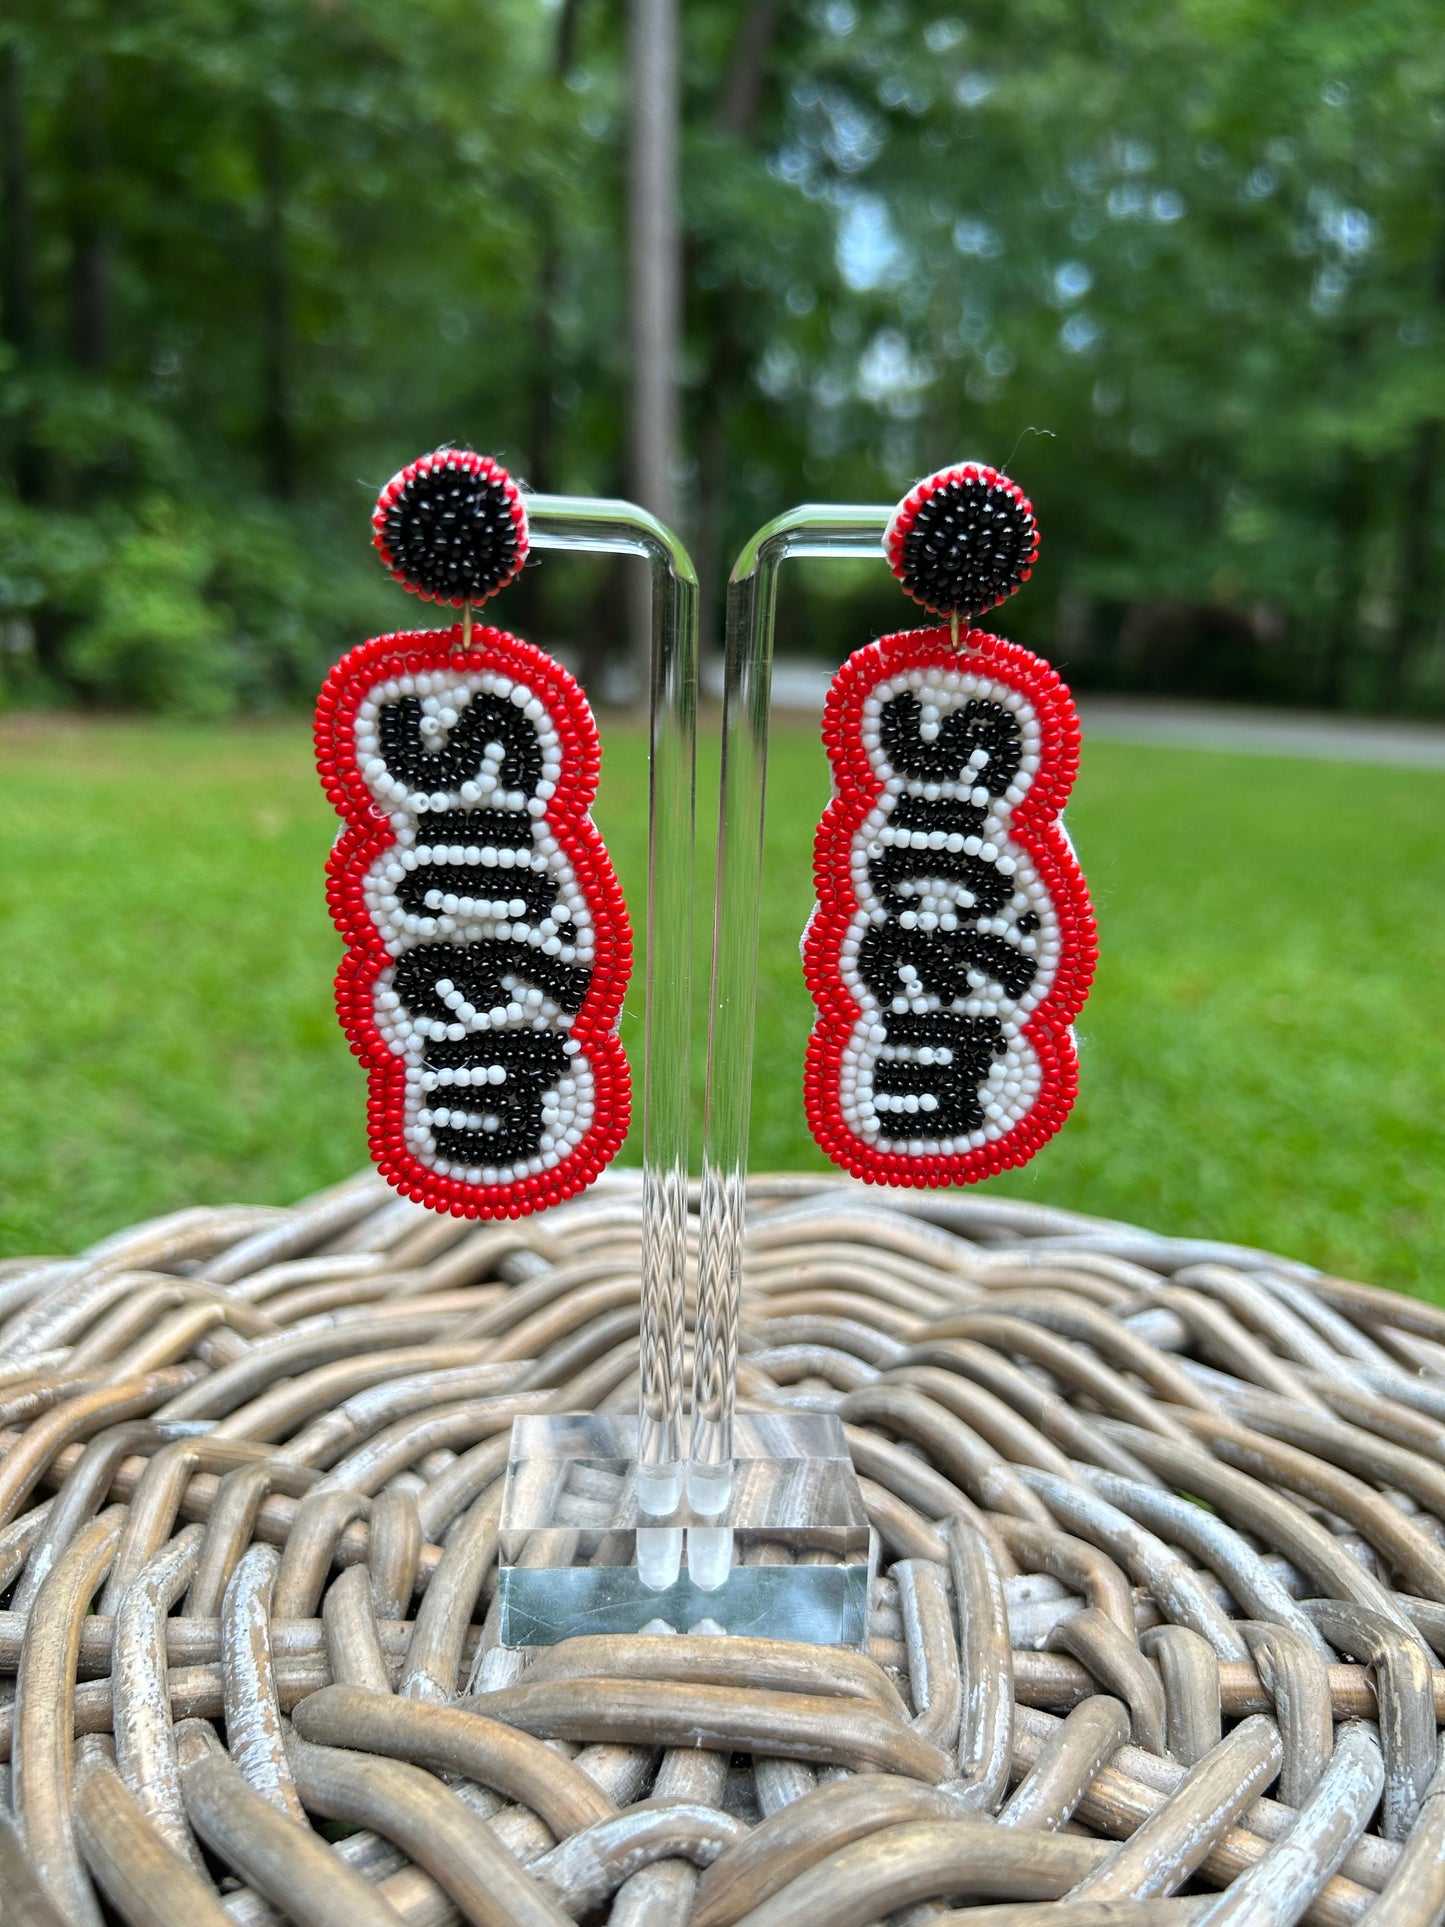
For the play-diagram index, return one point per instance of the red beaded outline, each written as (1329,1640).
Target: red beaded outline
(906,514)
(1034,825)
(368,832)
(474,464)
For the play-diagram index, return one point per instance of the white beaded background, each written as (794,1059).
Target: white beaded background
(944,904)
(565,932)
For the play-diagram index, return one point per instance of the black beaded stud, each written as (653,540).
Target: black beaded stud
(963,540)
(451,527)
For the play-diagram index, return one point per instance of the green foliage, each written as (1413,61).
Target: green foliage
(155,641)
(274,249)
(1262,1055)
(188,608)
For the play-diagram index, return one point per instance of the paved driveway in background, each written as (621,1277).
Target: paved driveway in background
(1265,732)
(799,688)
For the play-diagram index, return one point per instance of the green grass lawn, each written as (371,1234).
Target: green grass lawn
(1262,1054)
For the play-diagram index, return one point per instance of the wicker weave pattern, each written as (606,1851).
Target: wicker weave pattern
(1158,1627)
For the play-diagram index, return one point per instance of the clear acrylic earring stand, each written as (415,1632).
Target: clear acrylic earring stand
(778,1539)
(590,1503)
(769,1536)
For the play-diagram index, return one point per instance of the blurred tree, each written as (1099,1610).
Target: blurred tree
(256,253)
(1199,246)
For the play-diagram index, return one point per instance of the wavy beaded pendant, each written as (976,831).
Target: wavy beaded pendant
(488,946)
(953,942)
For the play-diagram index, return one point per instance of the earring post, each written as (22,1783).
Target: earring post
(839,531)
(600,526)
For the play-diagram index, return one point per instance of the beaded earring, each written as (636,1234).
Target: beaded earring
(488,946)
(953,941)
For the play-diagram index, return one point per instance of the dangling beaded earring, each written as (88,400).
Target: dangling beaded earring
(488,945)
(953,941)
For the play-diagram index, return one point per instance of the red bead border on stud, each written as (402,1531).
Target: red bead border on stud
(473,464)
(906,514)
(1034,826)
(368,833)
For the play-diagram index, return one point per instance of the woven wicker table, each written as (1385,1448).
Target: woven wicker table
(1156,1635)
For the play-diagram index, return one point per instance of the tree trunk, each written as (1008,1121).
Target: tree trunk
(745,76)
(541,408)
(1417,605)
(1343,643)
(531,604)
(277,449)
(90,242)
(654,274)
(1414,601)
(726,362)
(17,268)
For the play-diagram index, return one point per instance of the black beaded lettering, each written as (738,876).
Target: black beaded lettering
(510,1111)
(939,962)
(901,864)
(458,759)
(478,971)
(506,1001)
(485,829)
(533,891)
(969,756)
(949,814)
(972,1044)
(443,833)
(977,725)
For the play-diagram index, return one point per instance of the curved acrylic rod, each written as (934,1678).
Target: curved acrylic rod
(816,529)
(579,522)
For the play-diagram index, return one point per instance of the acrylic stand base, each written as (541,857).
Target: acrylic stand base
(795,1567)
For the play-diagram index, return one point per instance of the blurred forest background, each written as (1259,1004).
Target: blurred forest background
(254,254)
